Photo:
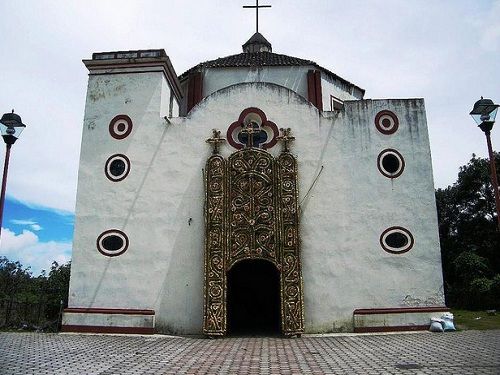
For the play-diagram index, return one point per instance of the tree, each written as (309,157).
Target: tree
(57,289)
(470,243)
(32,301)
(13,279)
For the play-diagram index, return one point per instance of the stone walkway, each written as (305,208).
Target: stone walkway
(470,352)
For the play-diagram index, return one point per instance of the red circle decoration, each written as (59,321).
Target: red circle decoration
(410,241)
(120,126)
(258,116)
(390,152)
(386,122)
(112,235)
(108,167)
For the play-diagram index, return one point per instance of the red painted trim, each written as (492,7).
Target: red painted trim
(4,181)
(379,125)
(198,87)
(391,329)
(400,310)
(229,135)
(311,91)
(317,87)
(265,123)
(314,91)
(195,88)
(102,310)
(112,123)
(190,98)
(103,329)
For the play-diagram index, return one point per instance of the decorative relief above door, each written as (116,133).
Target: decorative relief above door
(251,212)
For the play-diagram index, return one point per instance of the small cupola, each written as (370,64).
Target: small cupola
(257,43)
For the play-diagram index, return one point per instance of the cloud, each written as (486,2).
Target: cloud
(29,251)
(36,227)
(10,242)
(30,222)
(23,222)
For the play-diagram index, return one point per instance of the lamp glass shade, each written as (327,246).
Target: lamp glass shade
(14,131)
(484,111)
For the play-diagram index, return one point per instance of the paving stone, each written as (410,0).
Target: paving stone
(470,352)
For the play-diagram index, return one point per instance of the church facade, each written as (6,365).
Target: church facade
(255,193)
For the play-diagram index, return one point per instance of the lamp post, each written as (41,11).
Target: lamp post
(484,113)
(11,128)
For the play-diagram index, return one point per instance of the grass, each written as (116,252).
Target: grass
(480,320)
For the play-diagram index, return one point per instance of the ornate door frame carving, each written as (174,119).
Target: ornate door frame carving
(251,212)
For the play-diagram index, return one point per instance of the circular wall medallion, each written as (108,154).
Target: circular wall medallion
(396,240)
(120,127)
(390,163)
(112,243)
(117,167)
(386,122)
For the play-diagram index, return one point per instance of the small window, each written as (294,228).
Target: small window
(396,240)
(390,163)
(112,243)
(117,167)
(336,104)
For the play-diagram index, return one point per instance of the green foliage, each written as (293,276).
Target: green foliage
(470,242)
(475,319)
(33,301)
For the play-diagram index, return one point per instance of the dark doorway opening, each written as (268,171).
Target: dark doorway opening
(253,298)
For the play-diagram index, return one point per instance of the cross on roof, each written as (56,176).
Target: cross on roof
(215,140)
(285,137)
(257,6)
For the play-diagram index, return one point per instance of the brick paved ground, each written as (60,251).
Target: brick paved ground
(471,352)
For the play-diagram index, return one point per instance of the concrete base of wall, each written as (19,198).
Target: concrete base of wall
(395,319)
(102,320)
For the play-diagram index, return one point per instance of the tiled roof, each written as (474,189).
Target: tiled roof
(260,59)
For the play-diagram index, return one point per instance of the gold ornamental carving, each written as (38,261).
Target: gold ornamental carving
(251,212)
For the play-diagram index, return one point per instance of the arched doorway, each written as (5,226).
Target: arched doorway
(253,298)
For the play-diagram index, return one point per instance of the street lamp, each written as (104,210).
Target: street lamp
(11,128)
(484,113)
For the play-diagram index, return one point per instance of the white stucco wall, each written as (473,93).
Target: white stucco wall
(339,90)
(160,204)
(292,77)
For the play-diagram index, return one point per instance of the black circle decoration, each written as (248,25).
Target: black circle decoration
(396,240)
(386,122)
(117,167)
(112,243)
(120,127)
(390,163)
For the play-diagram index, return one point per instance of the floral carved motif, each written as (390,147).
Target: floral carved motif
(251,212)
(251,209)
(291,273)
(215,279)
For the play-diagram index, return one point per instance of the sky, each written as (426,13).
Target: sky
(447,52)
